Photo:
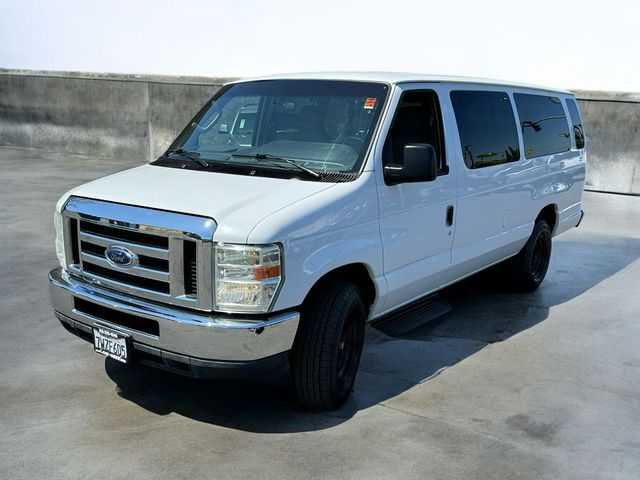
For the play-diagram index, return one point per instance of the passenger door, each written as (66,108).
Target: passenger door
(416,219)
(494,211)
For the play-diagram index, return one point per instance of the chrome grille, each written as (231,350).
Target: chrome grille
(173,250)
(190,267)
(96,237)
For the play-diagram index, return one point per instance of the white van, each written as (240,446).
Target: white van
(293,209)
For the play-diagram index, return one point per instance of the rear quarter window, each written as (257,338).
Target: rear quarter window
(544,125)
(576,122)
(487,127)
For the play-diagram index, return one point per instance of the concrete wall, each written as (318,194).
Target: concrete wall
(612,124)
(136,117)
(117,116)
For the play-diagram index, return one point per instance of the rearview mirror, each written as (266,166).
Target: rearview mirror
(420,164)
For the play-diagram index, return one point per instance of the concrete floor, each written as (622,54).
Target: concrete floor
(538,386)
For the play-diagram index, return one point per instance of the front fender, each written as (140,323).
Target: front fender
(319,234)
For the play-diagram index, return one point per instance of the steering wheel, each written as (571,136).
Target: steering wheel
(233,140)
(354,142)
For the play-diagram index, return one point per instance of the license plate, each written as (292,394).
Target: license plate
(111,344)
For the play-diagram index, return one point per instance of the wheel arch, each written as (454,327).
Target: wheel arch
(550,215)
(356,273)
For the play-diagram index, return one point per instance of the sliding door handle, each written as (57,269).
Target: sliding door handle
(449,215)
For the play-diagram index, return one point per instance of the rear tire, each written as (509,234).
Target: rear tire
(326,352)
(529,267)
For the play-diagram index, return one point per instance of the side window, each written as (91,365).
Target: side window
(576,122)
(545,130)
(417,120)
(487,127)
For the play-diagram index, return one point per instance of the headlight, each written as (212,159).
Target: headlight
(58,224)
(247,277)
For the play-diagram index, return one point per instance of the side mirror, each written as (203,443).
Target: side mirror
(223,128)
(420,165)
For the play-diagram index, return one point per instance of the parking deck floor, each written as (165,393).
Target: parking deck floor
(537,386)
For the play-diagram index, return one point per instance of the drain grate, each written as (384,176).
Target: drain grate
(412,316)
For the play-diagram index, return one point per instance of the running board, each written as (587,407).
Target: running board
(412,316)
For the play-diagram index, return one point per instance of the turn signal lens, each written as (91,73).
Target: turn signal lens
(267,272)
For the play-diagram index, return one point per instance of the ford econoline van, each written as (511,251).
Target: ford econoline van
(293,209)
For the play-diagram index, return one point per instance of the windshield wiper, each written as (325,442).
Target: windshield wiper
(194,156)
(268,156)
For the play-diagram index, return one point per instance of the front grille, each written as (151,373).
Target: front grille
(190,268)
(95,238)
(145,261)
(172,251)
(140,282)
(75,250)
(112,231)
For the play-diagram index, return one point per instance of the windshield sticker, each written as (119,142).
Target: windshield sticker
(369,103)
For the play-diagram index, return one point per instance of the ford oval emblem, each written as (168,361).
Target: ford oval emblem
(120,256)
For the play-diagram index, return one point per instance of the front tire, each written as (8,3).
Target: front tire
(529,267)
(326,352)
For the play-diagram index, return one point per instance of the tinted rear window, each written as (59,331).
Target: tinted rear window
(576,122)
(545,130)
(487,127)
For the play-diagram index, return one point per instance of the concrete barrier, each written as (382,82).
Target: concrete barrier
(612,125)
(135,118)
(132,117)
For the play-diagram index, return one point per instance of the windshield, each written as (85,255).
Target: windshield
(325,126)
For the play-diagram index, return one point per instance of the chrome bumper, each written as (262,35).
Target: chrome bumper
(195,336)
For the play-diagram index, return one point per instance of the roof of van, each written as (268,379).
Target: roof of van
(398,77)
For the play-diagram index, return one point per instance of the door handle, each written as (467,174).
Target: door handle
(449,215)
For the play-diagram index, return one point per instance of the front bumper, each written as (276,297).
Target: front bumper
(173,338)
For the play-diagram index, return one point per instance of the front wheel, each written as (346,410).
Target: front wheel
(529,267)
(326,352)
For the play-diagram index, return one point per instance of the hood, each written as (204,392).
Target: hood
(236,202)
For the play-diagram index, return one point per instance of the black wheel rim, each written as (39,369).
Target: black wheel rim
(347,352)
(540,257)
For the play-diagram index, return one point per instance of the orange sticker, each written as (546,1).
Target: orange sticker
(369,103)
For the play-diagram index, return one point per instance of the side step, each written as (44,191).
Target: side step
(412,316)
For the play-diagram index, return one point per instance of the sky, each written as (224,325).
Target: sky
(575,44)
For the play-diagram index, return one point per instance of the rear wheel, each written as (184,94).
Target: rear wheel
(326,352)
(529,267)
